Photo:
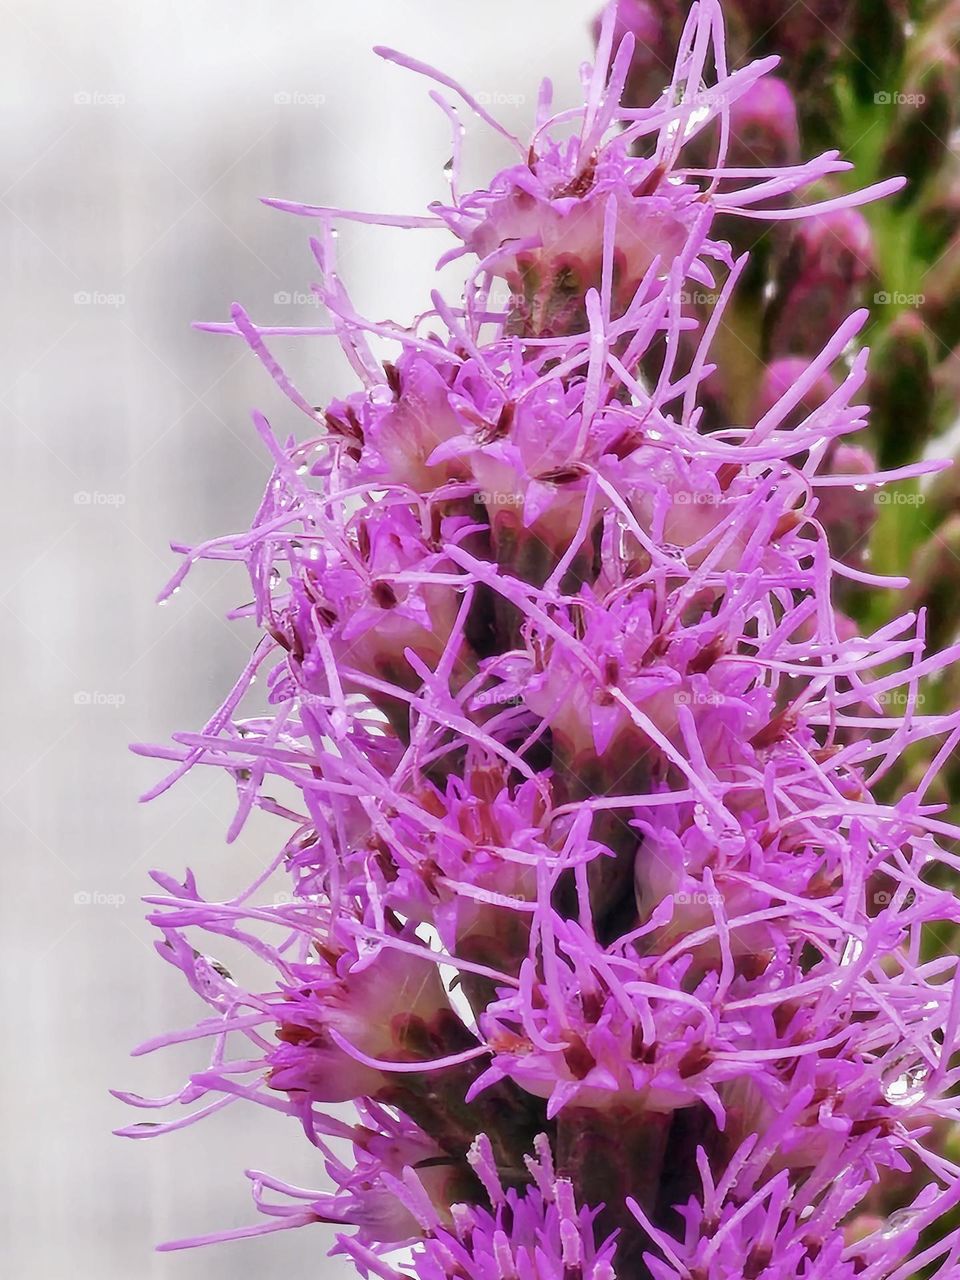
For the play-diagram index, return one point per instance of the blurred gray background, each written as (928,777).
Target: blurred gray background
(136,140)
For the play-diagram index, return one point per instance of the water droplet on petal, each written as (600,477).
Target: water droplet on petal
(896,1223)
(908,1088)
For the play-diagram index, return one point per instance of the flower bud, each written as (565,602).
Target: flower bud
(763,127)
(848,514)
(926,112)
(820,280)
(901,389)
(810,38)
(943,496)
(778,377)
(938,212)
(940,307)
(936,583)
(795,27)
(764,133)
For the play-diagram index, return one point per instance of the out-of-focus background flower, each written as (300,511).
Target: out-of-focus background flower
(136,140)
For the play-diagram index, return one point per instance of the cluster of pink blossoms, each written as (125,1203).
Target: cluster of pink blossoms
(588,908)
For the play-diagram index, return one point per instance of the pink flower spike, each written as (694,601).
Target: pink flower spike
(594,940)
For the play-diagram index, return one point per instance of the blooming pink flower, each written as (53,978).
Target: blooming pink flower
(590,905)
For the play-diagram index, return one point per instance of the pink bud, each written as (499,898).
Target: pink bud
(763,126)
(779,376)
(820,280)
(849,513)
